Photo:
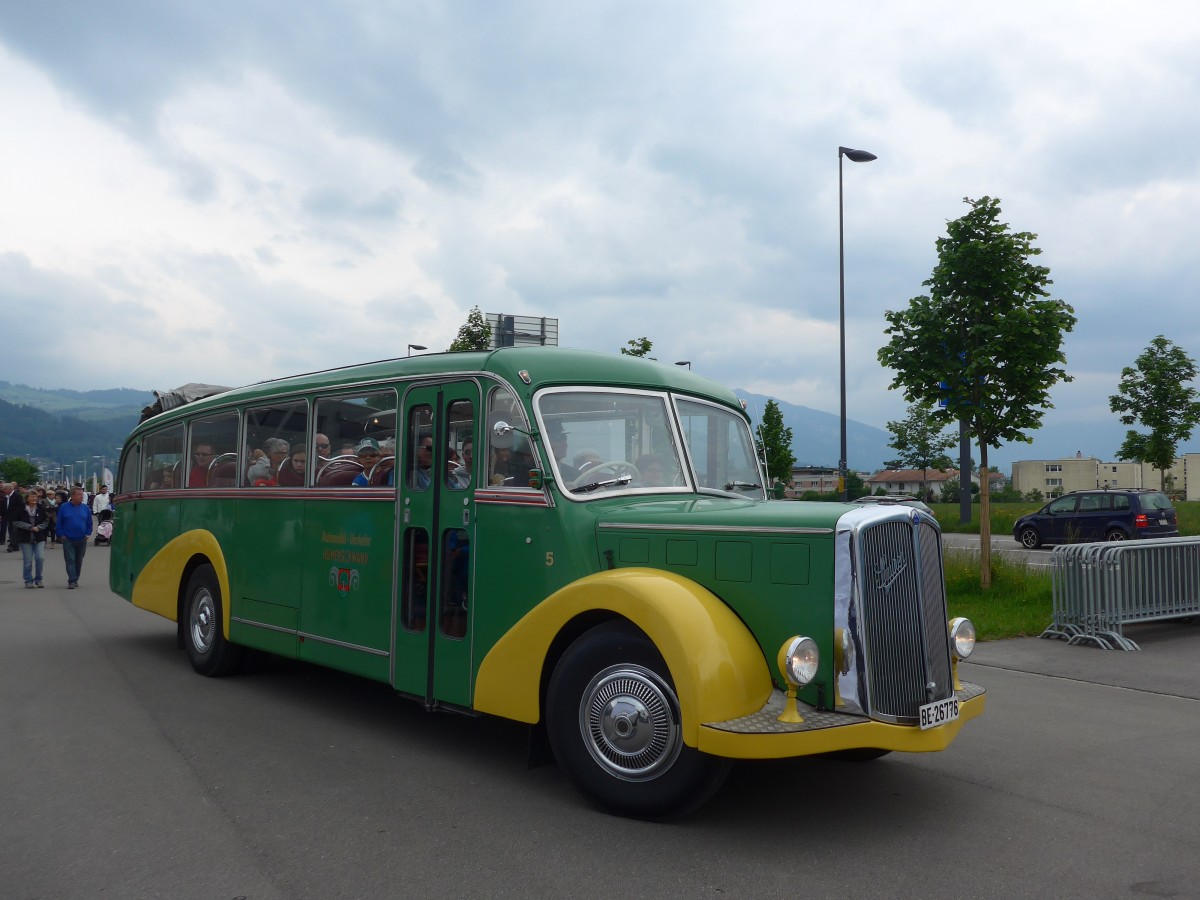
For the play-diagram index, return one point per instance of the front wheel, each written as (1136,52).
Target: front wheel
(612,716)
(1030,539)
(209,652)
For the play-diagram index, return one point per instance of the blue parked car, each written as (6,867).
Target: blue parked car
(1110,515)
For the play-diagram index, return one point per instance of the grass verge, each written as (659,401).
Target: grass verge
(1018,604)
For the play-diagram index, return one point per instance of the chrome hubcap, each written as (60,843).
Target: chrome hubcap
(204,621)
(629,719)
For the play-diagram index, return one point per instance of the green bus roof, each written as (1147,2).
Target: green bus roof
(544,366)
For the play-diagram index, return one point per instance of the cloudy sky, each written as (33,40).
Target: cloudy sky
(243,189)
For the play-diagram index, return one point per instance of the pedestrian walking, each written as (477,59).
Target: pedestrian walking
(74,526)
(51,505)
(102,510)
(10,501)
(31,524)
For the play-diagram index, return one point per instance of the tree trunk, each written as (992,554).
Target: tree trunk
(985,520)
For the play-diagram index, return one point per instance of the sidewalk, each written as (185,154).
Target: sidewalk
(1166,664)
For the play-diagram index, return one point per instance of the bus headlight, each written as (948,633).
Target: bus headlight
(798,660)
(962,637)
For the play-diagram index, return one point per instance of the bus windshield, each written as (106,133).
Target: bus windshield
(720,449)
(604,441)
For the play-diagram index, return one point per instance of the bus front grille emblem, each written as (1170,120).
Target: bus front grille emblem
(888,570)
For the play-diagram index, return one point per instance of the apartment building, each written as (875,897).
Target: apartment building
(1082,473)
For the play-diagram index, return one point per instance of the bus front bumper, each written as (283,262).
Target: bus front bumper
(762,736)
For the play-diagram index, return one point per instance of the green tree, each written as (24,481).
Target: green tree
(855,487)
(637,347)
(775,444)
(22,471)
(1155,392)
(920,442)
(990,331)
(474,334)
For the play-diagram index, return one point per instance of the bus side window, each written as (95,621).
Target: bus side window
(456,550)
(460,457)
(213,460)
(414,580)
(510,458)
(163,457)
(276,445)
(419,475)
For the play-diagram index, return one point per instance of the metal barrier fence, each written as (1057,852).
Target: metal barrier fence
(1099,588)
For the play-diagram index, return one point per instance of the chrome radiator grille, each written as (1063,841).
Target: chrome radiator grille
(903,603)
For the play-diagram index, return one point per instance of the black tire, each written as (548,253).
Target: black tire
(1115,534)
(857,754)
(1030,539)
(613,720)
(209,652)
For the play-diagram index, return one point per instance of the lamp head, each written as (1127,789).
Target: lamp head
(856,155)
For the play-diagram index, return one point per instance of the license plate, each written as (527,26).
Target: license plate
(938,713)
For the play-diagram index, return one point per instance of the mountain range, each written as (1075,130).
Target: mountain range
(67,428)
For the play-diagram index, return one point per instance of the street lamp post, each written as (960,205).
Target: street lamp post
(853,156)
(685,362)
(412,347)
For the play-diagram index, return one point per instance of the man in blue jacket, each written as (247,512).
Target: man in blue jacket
(74,526)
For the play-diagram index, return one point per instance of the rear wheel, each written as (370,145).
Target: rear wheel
(613,720)
(1115,534)
(1030,538)
(209,652)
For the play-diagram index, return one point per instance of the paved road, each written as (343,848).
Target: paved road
(123,774)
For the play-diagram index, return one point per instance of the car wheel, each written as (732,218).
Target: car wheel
(209,652)
(613,719)
(1030,538)
(1115,534)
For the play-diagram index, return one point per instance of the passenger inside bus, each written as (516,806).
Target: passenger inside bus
(421,476)
(585,459)
(458,475)
(291,473)
(651,468)
(202,455)
(368,455)
(263,470)
(558,446)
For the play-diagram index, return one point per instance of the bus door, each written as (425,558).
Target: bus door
(435,484)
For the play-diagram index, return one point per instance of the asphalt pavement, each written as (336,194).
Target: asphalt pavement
(124,774)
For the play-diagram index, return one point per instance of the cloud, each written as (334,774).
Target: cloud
(265,189)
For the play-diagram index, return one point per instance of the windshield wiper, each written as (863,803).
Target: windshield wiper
(742,486)
(620,479)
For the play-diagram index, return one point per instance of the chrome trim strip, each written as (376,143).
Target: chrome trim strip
(715,529)
(309,637)
(304,636)
(262,625)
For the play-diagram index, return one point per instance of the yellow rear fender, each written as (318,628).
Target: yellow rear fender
(160,582)
(716,665)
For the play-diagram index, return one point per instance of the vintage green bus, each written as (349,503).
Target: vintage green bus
(607,567)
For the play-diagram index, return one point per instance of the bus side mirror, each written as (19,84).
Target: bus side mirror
(502,435)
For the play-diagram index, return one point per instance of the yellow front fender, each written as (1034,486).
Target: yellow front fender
(716,665)
(158,584)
